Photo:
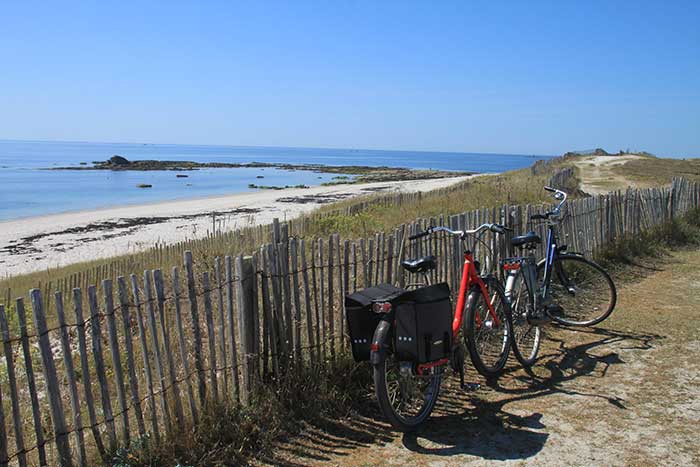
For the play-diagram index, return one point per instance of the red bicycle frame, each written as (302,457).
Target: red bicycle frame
(470,276)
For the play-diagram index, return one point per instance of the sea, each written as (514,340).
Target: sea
(28,189)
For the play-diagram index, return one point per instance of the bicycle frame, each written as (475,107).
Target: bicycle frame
(470,276)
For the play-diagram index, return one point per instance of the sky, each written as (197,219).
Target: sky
(505,77)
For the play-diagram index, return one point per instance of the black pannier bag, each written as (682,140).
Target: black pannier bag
(424,324)
(362,321)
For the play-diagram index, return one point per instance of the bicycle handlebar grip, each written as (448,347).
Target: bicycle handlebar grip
(419,235)
(550,189)
(538,217)
(498,228)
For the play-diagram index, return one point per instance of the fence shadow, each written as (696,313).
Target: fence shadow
(484,427)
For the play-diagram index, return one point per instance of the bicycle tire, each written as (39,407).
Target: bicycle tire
(475,329)
(526,336)
(382,382)
(580,307)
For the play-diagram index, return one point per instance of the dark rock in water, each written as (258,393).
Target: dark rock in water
(181,176)
(83,163)
(260,176)
(118,160)
(144,185)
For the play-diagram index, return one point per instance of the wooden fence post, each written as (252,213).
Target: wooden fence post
(116,356)
(209,319)
(3,434)
(54,391)
(245,294)
(231,329)
(160,296)
(156,351)
(146,359)
(194,312)
(129,345)
(100,366)
(183,346)
(14,398)
(70,375)
(85,371)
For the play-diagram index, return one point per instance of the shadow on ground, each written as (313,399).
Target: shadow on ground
(479,423)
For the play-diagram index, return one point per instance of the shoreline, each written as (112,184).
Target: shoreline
(38,243)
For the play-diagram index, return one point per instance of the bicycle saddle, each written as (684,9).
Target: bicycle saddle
(426,263)
(528,238)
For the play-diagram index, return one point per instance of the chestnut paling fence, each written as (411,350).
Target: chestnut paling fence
(146,354)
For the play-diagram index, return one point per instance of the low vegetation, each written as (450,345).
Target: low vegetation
(231,434)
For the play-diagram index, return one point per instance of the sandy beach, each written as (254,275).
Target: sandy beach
(37,243)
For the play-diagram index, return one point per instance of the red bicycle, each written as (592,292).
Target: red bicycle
(407,390)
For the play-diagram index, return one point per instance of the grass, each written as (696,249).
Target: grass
(229,434)
(651,171)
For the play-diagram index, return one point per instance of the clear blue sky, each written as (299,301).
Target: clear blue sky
(517,77)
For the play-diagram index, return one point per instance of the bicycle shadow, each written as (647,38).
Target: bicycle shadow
(484,427)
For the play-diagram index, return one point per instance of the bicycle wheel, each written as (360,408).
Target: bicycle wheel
(488,337)
(526,336)
(405,397)
(583,290)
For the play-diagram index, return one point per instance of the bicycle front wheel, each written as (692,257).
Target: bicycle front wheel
(526,336)
(488,334)
(583,290)
(405,397)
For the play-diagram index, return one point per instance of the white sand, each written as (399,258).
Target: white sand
(21,254)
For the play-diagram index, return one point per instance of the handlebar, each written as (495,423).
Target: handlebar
(495,228)
(559,195)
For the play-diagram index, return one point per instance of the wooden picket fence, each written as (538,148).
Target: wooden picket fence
(176,341)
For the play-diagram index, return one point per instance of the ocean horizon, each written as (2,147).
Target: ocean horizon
(28,190)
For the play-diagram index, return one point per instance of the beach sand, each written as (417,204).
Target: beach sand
(38,243)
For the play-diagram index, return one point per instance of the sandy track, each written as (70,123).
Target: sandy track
(39,243)
(623,394)
(597,176)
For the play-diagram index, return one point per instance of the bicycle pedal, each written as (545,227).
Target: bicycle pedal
(554,310)
(470,387)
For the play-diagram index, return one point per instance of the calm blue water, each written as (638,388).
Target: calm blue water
(26,190)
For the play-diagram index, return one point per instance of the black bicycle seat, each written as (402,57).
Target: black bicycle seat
(426,263)
(528,238)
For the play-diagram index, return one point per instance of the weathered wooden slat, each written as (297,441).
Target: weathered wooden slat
(172,371)
(329,312)
(318,303)
(72,384)
(297,300)
(100,370)
(283,270)
(269,329)
(245,294)
(231,329)
(221,324)
(209,318)
(107,291)
(129,347)
(143,339)
(196,330)
(53,389)
(14,399)
(184,358)
(85,371)
(307,303)
(157,354)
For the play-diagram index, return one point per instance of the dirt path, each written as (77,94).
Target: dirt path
(597,176)
(626,393)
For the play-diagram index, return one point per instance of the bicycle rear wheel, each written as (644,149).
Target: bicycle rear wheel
(405,397)
(583,290)
(526,336)
(488,338)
